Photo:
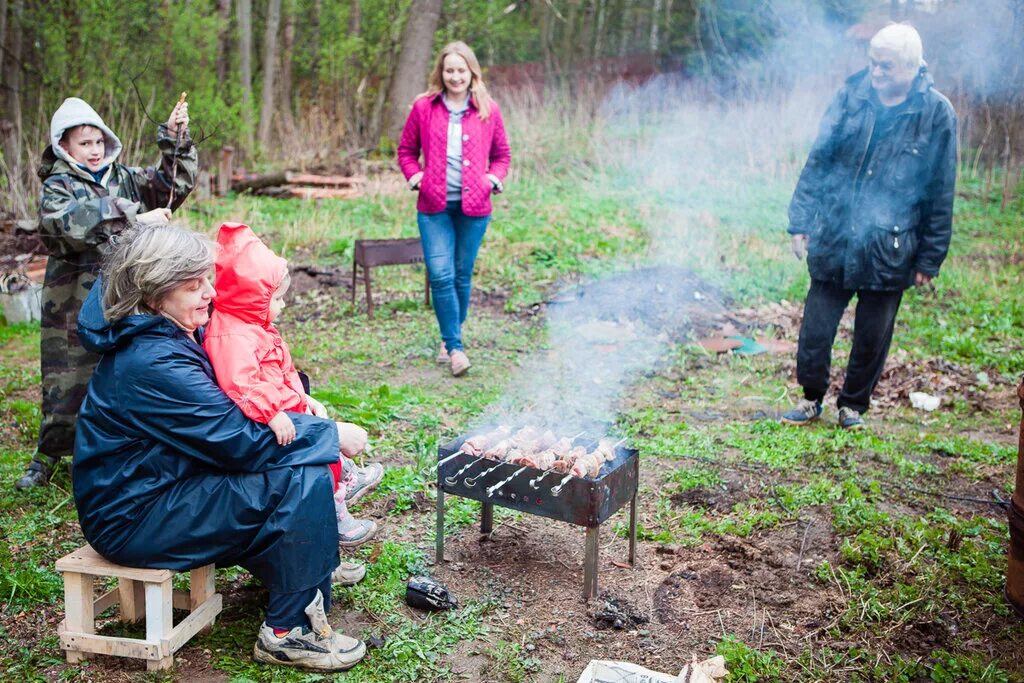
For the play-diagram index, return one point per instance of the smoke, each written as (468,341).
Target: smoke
(711,164)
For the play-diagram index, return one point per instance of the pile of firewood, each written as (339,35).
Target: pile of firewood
(301,185)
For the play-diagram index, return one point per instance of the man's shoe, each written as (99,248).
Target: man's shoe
(460,362)
(442,355)
(850,419)
(37,473)
(804,413)
(348,573)
(353,532)
(367,479)
(318,648)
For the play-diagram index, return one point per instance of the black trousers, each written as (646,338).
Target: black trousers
(872,335)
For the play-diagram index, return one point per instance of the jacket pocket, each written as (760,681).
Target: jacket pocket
(892,248)
(908,167)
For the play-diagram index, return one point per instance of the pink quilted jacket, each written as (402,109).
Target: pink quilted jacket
(484,150)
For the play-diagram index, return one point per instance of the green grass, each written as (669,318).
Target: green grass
(899,552)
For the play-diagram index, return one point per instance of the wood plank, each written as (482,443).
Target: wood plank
(78,604)
(108,599)
(159,610)
(133,600)
(85,560)
(110,645)
(202,585)
(182,600)
(322,192)
(204,616)
(324,180)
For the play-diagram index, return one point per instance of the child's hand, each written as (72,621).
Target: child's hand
(178,119)
(283,428)
(154,217)
(316,407)
(352,438)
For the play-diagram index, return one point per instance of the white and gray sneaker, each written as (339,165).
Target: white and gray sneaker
(367,479)
(318,648)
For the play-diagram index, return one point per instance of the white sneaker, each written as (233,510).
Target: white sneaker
(318,648)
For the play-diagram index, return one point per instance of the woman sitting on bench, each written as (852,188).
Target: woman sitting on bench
(170,473)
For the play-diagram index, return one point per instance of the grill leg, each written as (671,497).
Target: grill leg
(632,531)
(369,294)
(487,518)
(439,541)
(590,563)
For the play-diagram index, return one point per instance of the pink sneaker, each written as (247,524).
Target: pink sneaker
(442,355)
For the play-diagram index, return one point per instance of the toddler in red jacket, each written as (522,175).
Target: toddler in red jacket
(254,366)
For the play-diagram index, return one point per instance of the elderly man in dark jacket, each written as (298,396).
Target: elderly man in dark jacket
(873,213)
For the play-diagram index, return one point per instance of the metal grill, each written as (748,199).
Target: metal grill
(581,501)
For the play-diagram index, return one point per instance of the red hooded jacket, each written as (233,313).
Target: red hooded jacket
(251,360)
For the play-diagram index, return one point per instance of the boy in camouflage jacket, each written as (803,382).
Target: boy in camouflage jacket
(87,198)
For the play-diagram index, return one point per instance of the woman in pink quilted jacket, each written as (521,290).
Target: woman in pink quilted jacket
(455,152)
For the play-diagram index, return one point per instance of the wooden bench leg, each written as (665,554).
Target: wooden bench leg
(426,288)
(131,599)
(202,588)
(79,615)
(159,620)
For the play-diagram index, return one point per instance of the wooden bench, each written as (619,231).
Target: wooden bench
(372,253)
(140,593)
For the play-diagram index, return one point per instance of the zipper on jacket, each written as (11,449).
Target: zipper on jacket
(864,156)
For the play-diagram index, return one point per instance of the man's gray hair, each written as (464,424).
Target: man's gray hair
(145,263)
(904,40)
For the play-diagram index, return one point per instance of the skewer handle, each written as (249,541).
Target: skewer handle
(482,474)
(537,480)
(557,489)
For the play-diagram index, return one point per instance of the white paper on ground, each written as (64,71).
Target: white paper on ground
(923,401)
(599,671)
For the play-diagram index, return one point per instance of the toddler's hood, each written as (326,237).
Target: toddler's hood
(248,274)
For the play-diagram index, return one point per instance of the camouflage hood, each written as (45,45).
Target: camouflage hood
(76,112)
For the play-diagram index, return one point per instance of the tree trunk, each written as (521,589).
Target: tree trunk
(626,29)
(413,62)
(599,30)
(286,100)
(13,82)
(269,69)
(3,33)
(244,13)
(655,17)
(314,49)
(223,40)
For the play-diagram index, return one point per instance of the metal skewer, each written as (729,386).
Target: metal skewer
(467,481)
(557,489)
(492,489)
(441,462)
(537,480)
(452,480)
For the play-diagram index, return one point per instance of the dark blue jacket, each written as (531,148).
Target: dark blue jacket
(873,223)
(168,472)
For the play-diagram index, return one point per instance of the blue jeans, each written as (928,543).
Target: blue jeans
(451,240)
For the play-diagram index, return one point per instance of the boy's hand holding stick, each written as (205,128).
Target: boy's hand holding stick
(177,123)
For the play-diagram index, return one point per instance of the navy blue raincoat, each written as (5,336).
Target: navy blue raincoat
(169,473)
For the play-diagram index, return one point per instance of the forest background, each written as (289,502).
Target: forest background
(306,83)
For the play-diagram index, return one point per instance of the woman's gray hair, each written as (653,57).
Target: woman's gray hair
(904,40)
(146,262)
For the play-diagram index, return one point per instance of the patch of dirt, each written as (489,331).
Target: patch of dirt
(721,498)
(747,589)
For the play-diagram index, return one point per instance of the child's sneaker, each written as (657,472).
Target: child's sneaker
(318,648)
(850,419)
(353,532)
(366,479)
(805,412)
